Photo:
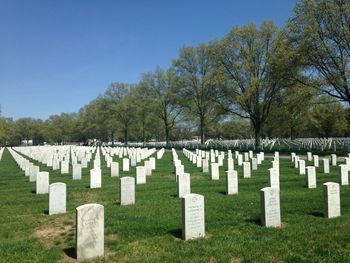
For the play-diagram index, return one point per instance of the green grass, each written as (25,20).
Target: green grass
(150,231)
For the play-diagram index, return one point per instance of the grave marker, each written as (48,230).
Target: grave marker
(193,225)
(89,231)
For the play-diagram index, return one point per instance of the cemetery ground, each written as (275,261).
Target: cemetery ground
(150,230)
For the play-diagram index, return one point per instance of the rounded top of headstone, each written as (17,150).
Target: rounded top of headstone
(310,167)
(57,184)
(127,178)
(43,173)
(89,206)
(231,171)
(193,197)
(331,184)
(269,189)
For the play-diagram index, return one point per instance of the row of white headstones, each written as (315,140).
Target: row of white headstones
(193,225)
(89,212)
(269,196)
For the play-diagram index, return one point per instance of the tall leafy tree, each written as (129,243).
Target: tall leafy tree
(118,100)
(146,112)
(319,42)
(245,66)
(161,89)
(95,121)
(288,111)
(327,118)
(196,82)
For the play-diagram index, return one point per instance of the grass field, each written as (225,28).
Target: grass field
(150,231)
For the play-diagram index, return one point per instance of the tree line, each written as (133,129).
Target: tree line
(257,81)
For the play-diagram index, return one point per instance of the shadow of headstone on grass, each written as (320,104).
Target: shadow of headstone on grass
(177,233)
(70,252)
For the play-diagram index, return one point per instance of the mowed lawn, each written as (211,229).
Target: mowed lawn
(150,231)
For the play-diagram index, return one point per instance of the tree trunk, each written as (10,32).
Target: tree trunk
(143,132)
(167,135)
(202,129)
(166,126)
(112,137)
(126,135)
(348,119)
(257,131)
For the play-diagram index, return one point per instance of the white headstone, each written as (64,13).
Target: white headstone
(97,163)
(183,184)
(344,174)
(133,160)
(64,167)
(126,164)
(33,172)
(148,168)
(221,160)
(230,164)
(90,231)
(179,169)
(246,157)
(84,163)
(57,198)
(293,156)
(240,159)
(302,170)
(205,165)
(214,171)
(140,175)
(76,171)
(199,161)
(296,161)
(326,166)
(309,156)
(114,169)
(152,161)
(270,207)
(331,197)
(231,182)
(55,164)
(334,159)
(193,223)
(274,179)
(246,170)
(127,190)
(254,164)
(310,177)
(95,178)
(42,182)
(316,161)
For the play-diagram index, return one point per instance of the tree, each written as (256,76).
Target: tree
(196,81)
(161,89)
(95,121)
(118,100)
(249,79)
(327,118)
(63,127)
(288,111)
(319,40)
(3,131)
(237,128)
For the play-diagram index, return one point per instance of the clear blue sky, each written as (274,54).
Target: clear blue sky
(56,56)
